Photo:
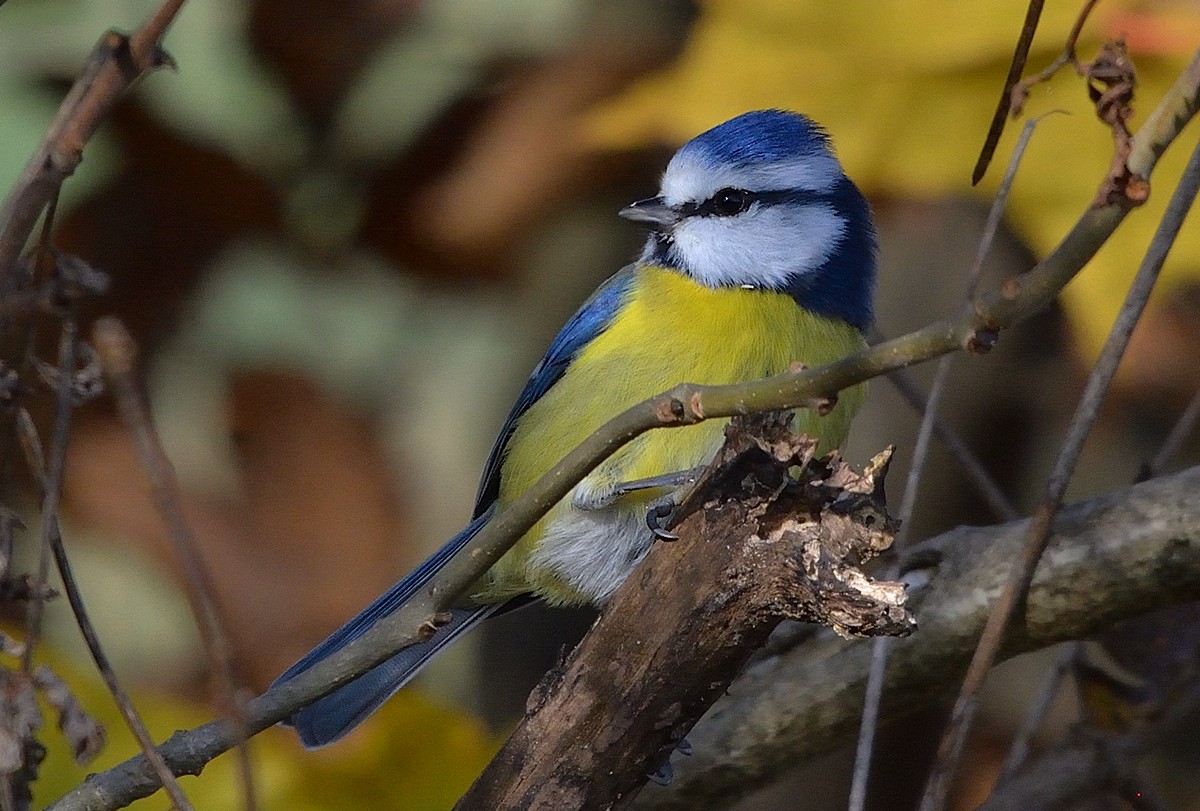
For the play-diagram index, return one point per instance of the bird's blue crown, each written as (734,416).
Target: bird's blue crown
(762,136)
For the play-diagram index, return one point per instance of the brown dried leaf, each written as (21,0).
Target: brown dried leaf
(85,735)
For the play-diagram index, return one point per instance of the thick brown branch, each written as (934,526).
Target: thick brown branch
(758,550)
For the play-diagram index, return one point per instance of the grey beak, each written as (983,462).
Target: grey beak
(652,211)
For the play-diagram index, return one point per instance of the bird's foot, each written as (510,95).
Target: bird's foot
(660,515)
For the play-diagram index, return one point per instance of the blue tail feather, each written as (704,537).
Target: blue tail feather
(333,716)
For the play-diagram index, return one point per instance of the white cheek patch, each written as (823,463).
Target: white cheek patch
(690,177)
(763,247)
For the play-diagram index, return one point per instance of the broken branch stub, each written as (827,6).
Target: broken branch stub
(768,533)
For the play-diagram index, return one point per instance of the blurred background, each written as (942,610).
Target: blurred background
(343,232)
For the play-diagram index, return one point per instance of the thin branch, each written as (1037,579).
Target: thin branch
(144,43)
(121,698)
(1033,13)
(52,485)
(1086,413)
(1016,91)
(1019,92)
(52,478)
(1184,427)
(970,287)
(117,353)
(114,66)
(874,697)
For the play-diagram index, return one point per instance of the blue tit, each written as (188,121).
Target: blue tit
(761,253)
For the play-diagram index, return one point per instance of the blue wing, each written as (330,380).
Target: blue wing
(591,319)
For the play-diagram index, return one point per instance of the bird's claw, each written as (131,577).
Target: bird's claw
(659,516)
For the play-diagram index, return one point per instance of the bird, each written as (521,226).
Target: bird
(761,253)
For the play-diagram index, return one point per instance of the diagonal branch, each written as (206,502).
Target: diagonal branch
(118,354)
(1033,14)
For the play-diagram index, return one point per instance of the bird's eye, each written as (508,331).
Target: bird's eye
(727,202)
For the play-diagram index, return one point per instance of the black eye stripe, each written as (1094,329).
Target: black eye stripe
(719,205)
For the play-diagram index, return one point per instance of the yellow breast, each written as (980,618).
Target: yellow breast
(671,330)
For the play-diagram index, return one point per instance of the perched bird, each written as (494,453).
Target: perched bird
(761,253)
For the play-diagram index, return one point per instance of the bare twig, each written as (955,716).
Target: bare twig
(1033,13)
(1086,413)
(1018,93)
(52,489)
(144,43)
(114,66)
(970,286)
(52,486)
(117,354)
(881,645)
(121,698)
(1184,427)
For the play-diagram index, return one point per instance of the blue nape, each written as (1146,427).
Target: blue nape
(844,286)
